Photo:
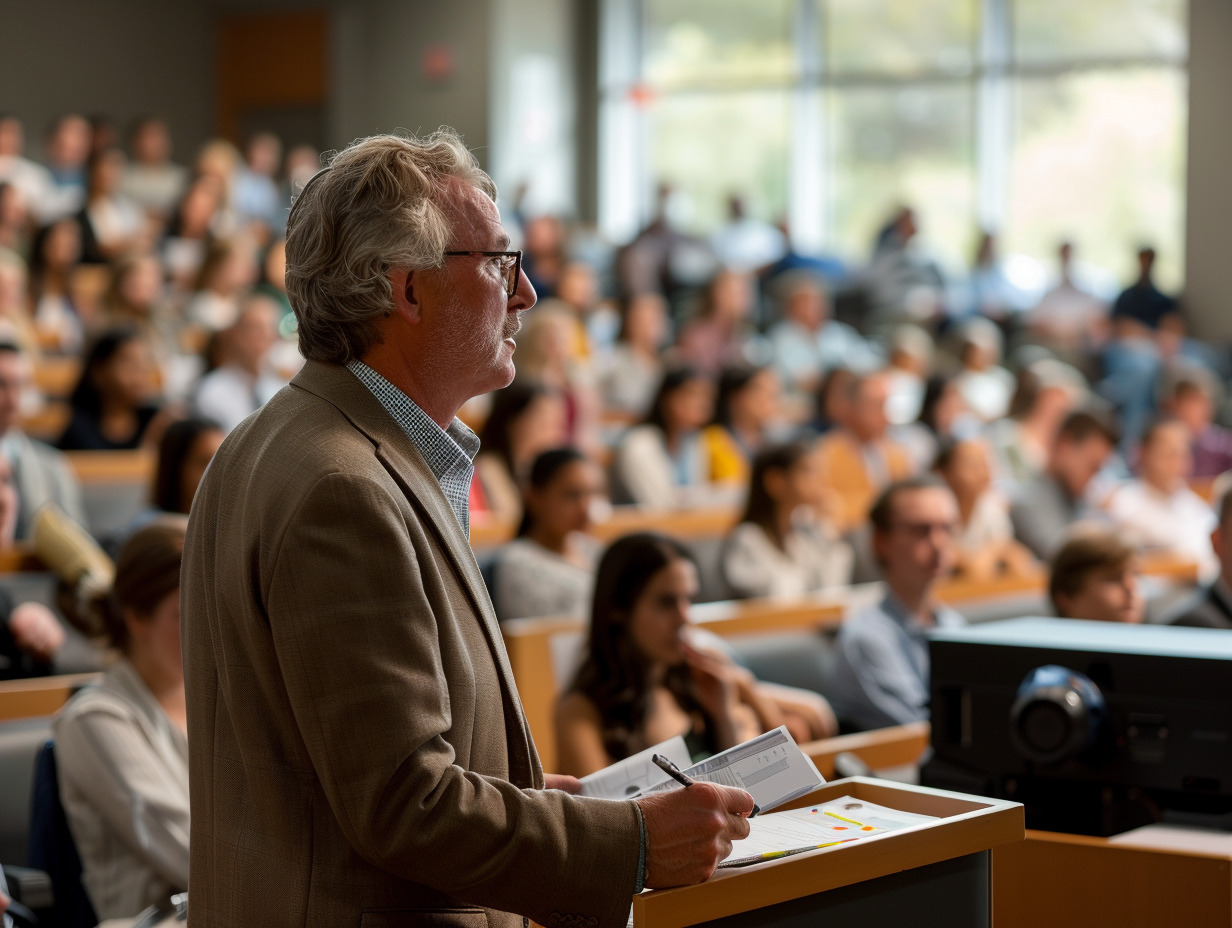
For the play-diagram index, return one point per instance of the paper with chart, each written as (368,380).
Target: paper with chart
(771,767)
(830,823)
(635,775)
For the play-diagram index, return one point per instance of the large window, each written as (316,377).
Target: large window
(1041,120)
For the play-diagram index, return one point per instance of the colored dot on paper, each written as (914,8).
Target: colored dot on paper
(867,828)
(840,827)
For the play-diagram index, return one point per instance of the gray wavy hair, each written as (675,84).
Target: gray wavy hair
(378,205)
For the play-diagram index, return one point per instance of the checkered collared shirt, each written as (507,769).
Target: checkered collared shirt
(450,453)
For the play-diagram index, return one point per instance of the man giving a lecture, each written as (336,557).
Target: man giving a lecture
(358,751)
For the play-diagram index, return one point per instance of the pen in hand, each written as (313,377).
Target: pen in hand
(667,766)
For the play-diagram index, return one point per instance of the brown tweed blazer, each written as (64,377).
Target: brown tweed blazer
(358,754)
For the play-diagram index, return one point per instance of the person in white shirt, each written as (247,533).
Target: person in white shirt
(1158,510)
(783,547)
(806,342)
(243,383)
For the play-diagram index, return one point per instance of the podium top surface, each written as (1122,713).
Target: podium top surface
(965,825)
(1079,635)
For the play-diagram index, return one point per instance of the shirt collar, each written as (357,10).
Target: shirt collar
(943,616)
(449,453)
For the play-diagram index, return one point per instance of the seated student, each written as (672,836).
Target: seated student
(783,547)
(244,381)
(186,449)
(1157,509)
(659,462)
(880,674)
(634,368)
(645,679)
(1044,509)
(549,568)
(985,543)
(859,459)
(40,473)
(1095,576)
(112,406)
(121,746)
(1191,397)
(745,409)
(1211,607)
(527,418)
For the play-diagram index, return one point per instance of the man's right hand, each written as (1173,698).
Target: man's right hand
(689,831)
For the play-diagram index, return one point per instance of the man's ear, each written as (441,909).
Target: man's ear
(406,303)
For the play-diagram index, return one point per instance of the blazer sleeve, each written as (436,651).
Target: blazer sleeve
(357,624)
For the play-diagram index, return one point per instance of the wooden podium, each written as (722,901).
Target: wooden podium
(933,874)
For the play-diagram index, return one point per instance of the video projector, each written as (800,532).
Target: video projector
(1096,728)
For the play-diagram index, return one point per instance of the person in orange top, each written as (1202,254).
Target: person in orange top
(858,459)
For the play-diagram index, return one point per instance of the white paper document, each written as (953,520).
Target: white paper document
(835,822)
(771,767)
(635,775)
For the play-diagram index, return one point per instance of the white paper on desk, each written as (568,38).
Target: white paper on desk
(771,767)
(838,820)
(635,775)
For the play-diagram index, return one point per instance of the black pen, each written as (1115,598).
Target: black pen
(669,767)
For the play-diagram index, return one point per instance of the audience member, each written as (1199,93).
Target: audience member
(1142,306)
(1044,509)
(744,243)
(32,179)
(644,678)
(112,404)
(1069,320)
(718,333)
(1191,396)
(15,219)
(832,402)
(184,452)
(657,463)
(547,353)
(111,224)
(192,227)
(784,547)
(548,569)
(984,545)
(985,385)
(1211,606)
(746,410)
(880,675)
(257,198)
(1157,510)
(40,473)
(54,256)
(905,284)
(910,362)
(244,382)
(15,323)
(151,179)
(806,343)
(944,418)
(67,147)
(634,368)
(121,747)
(991,293)
(226,273)
(1045,392)
(1095,576)
(859,459)
(527,418)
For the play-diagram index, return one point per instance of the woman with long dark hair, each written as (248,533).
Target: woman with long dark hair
(548,569)
(112,407)
(658,462)
(745,408)
(645,679)
(783,546)
(527,418)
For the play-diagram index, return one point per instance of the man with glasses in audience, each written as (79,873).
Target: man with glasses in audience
(358,751)
(880,676)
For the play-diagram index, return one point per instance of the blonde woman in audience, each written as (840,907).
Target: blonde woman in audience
(984,543)
(244,381)
(527,418)
(634,368)
(15,323)
(783,547)
(1095,577)
(548,353)
(645,678)
(121,747)
(1158,510)
(549,568)
(745,410)
(661,463)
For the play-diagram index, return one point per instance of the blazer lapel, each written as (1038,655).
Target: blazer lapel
(402,459)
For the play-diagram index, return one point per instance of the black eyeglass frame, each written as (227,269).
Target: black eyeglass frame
(511,287)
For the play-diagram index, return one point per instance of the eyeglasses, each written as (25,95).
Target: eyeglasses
(511,265)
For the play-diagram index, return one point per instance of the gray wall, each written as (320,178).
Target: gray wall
(122,60)
(1208,232)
